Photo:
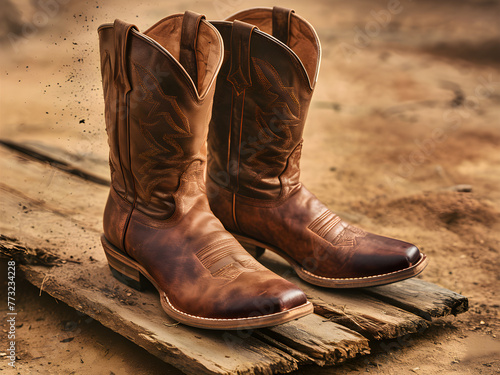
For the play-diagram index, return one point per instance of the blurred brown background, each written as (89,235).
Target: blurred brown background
(402,139)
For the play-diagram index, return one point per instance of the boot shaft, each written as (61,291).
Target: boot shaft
(261,101)
(158,89)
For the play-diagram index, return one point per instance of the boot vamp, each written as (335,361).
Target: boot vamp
(372,254)
(204,271)
(251,294)
(319,241)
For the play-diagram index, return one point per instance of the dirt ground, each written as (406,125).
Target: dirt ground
(402,139)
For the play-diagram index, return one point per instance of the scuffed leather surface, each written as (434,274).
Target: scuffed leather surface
(266,201)
(168,249)
(158,212)
(343,251)
(275,107)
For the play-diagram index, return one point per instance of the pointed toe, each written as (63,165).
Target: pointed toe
(292,298)
(412,255)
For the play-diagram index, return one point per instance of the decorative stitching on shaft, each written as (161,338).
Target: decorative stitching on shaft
(162,152)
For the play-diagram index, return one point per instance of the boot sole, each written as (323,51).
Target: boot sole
(330,282)
(132,274)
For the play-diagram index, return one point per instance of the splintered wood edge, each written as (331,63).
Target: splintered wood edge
(369,326)
(422,298)
(313,336)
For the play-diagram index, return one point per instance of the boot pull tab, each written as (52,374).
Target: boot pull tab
(122,30)
(189,35)
(239,73)
(281,23)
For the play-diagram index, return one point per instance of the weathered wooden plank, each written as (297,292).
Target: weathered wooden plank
(94,169)
(47,188)
(422,298)
(323,341)
(302,358)
(40,213)
(370,317)
(352,308)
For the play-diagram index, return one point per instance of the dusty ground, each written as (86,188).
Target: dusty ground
(404,115)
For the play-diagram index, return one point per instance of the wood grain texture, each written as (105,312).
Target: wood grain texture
(323,341)
(422,298)
(49,210)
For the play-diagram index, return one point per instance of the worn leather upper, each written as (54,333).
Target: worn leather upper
(158,89)
(262,97)
(154,113)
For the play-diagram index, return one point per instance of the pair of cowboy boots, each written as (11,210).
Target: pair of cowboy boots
(245,84)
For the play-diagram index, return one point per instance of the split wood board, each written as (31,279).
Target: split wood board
(51,211)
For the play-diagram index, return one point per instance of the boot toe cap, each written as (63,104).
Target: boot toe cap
(412,254)
(271,296)
(377,255)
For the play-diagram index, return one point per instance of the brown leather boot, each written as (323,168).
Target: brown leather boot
(263,93)
(158,227)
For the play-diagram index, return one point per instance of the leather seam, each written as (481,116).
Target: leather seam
(112,86)
(283,195)
(127,222)
(233,319)
(239,140)
(363,277)
(229,139)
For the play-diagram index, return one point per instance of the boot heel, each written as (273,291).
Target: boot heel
(254,250)
(123,268)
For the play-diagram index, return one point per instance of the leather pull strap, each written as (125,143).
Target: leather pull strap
(281,23)
(239,73)
(122,30)
(189,36)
